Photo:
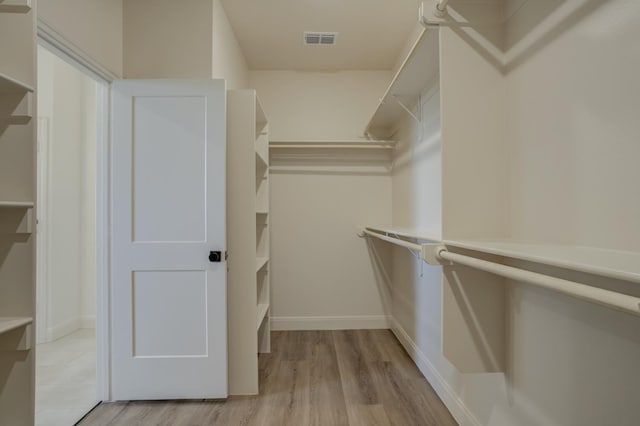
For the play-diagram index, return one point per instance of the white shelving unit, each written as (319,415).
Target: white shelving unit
(263,281)
(248,225)
(17,184)
(489,209)
(403,94)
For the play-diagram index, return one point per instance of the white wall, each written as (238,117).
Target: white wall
(152,38)
(228,59)
(590,129)
(93,26)
(571,94)
(168,39)
(315,105)
(66,99)
(321,272)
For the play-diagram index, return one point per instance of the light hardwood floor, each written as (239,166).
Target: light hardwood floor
(320,378)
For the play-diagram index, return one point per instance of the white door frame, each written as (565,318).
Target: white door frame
(43,249)
(64,49)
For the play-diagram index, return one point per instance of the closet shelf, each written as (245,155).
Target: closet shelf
(261,118)
(262,161)
(261,262)
(9,324)
(262,313)
(15,6)
(17,204)
(336,144)
(420,67)
(615,264)
(417,234)
(262,213)
(11,85)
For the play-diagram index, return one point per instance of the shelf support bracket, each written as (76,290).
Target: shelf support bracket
(404,107)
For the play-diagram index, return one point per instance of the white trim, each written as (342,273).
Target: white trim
(49,38)
(88,321)
(62,329)
(43,249)
(103,244)
(330,323)
(456,406)
(53,40)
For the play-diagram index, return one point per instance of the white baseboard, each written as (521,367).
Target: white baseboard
(88,321)
(448,396)
(329,323)
(62,329)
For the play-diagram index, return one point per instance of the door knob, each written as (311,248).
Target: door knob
(215,256)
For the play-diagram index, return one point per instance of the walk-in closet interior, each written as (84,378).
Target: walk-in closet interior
(455,178)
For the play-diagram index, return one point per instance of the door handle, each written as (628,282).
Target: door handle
(215,256)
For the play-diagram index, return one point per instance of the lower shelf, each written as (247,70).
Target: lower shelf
(15,334)
(15,6)
(262,313)
(9,324)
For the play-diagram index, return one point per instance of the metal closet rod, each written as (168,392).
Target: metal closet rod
(610,299)
(434,254)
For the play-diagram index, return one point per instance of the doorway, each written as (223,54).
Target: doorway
(66,355)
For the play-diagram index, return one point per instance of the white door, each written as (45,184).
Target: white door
(169,319)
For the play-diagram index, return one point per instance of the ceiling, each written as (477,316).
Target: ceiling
(371,32)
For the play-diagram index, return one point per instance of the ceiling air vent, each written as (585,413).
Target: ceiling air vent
(320,38)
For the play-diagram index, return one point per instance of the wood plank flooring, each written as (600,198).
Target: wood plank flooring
(311,378)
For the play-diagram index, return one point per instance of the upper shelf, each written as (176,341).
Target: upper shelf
(15,6)
(11,85)
(261,262)
(417,234)
(616,264)
(420,67)
(261,160)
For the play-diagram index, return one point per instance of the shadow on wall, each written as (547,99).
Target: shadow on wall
(572,336)
(13,222)
(7,243)
(505,48)
(380,259)
(14,107)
